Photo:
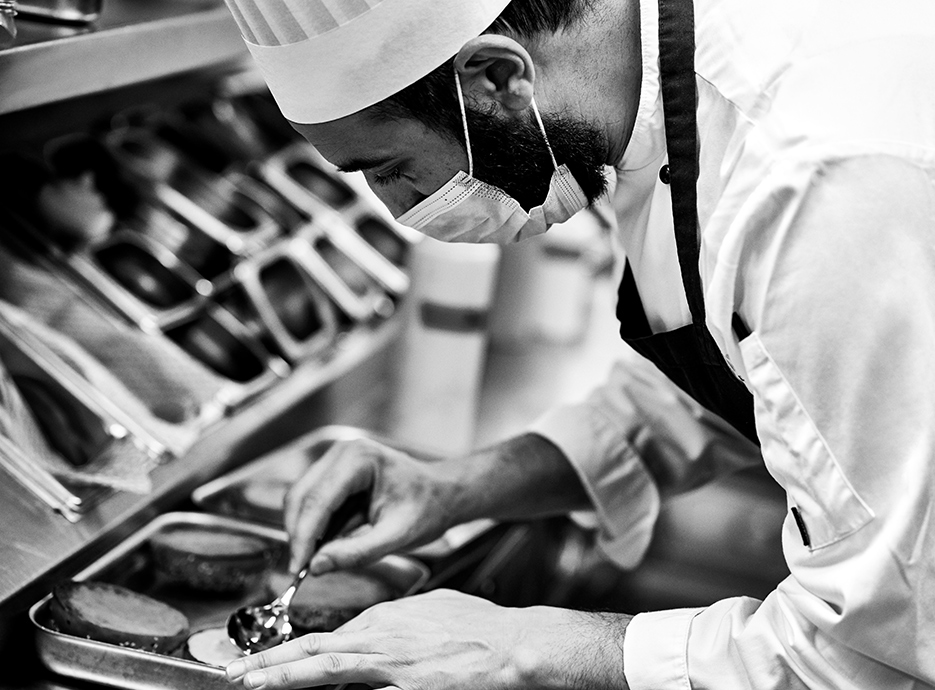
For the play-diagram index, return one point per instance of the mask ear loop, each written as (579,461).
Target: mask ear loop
(467,136)
(544,135)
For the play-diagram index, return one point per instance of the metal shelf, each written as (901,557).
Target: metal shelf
(132,41)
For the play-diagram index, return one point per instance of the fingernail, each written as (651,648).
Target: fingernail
(321,564)
(255,679)
(235,669)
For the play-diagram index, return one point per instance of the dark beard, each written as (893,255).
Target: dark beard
(512,155)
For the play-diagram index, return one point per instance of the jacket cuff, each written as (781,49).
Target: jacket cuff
(622,492)
(655,650)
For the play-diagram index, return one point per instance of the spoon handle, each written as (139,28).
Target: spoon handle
(285,598)
(352,513)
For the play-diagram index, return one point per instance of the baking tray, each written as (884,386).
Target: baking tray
(130,565)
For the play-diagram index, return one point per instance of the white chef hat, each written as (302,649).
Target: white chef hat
(324,59)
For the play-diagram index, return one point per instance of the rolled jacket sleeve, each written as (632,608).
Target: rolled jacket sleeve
(635,440)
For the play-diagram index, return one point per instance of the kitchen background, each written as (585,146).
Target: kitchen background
(186,286)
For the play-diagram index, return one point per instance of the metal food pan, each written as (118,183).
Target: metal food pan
(335,206)
(130,565)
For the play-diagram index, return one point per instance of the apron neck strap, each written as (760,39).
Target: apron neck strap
(679,103)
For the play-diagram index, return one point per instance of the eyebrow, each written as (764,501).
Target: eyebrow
(363,163)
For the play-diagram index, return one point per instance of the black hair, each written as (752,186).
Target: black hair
(432,99)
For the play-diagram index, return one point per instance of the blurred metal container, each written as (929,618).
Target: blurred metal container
(7,23)
(288,301)
(67,11)
(81,422)
(215,337)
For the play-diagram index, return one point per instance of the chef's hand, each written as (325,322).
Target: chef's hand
(445,640)
(412,502)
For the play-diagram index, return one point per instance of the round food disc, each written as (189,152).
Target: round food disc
(117,615)
(210,559)
(213,647)
(325,602)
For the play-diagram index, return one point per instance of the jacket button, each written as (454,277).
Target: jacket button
(664,174)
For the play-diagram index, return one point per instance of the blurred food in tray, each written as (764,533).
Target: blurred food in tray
(212,646)
(211,560)
(117,615)
(325,602)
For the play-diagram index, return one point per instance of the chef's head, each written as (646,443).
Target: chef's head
(435,101)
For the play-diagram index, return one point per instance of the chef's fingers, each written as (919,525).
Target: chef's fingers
(318,494)
(369,543)
(307,661)
(325,669)
(313,477)
(296,649)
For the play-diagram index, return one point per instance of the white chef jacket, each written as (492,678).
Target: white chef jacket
(817,213)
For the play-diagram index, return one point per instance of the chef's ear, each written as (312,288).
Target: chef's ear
(496,68)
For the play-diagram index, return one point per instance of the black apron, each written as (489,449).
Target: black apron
(688,355)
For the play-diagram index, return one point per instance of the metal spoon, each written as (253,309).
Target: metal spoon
(255,628)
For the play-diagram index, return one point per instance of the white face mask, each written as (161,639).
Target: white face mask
(468,210)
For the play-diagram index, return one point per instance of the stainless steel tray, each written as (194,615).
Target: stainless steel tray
(130,565)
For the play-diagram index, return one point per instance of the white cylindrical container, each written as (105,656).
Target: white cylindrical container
(546,284)
(444,346)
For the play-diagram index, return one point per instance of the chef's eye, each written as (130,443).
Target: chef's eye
(387,178)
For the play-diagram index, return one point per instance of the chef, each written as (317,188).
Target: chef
(773,168)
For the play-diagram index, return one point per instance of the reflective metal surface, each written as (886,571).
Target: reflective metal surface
(255,628)
(68,11)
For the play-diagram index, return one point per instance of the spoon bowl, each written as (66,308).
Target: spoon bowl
(256,628)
